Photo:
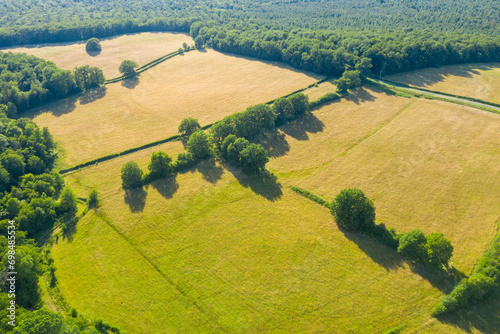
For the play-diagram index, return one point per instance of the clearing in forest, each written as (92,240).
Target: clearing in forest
(142,48)
(480,81)
(206,85)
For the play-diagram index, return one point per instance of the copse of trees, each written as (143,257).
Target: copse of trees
(127,67)
(93,44)
(87,77)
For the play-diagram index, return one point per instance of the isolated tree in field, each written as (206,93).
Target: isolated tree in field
(189,126)
(253,158)
(199,145)
(412,245)
(199,42)
(93,45)
(185,46)
(93,200)
(439,249)
(160,165)
(87,77)
(131,175)
(127,67)
(353,210)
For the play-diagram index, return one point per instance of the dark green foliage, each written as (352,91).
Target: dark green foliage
(188,126)
(253,159)
(67,205)
(93,45)
(328,97)
(127,68)
(300,104)
(184,161)
(386,236)
(199,42)
(13,163)
(87,77)
(199,145)
(283,109)
(412,245)
(131,175)
(311,196)
(93,200)
(229,140)
(349,80)
(160,166)
(234,149)
(484,281)
(353,210)
(247,124)
(439,250)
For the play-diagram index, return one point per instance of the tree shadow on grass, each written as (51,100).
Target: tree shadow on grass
(93,53)
(136,199)
(210,171)
(381,254)
(360,95)
(167,187)
(483,317)
(389,259)
(265,184)
(93,95)
(275,144)
(131,82)
(299,128)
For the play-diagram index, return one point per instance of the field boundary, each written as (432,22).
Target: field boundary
(473,99)
(435,96)
(146,67)
(166,140)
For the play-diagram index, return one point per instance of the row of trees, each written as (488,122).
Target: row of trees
(27,81)
(483,282)
(356,212)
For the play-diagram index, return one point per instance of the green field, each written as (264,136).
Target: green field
(213,250)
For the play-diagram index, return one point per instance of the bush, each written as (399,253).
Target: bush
(131,175)
(412,245)
(93,200)
(93,44)
(385,236)
(184,161)
(353,210)
(324,99)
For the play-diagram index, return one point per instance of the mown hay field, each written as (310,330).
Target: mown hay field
(141,48)
(480,81)
(224,252)
(206,85)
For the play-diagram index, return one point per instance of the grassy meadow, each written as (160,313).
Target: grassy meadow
(141,47)
(150,107)
(213,250)
(480,81)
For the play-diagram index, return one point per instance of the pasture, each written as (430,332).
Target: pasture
(480,81)
(141,47)
(206,85)
(225,252)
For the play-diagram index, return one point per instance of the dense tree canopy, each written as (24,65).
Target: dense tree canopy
(93,45)
(353,210)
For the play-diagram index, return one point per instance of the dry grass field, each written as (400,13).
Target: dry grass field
(142,48)
(481,81)
(204,85)
(224,252)
(435,166)
(212,250)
